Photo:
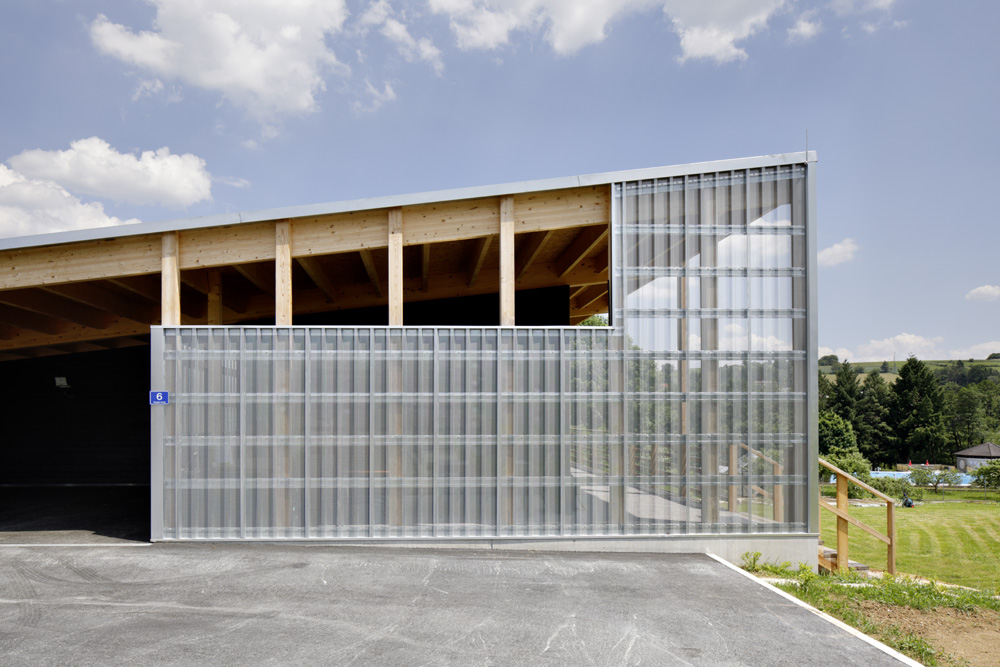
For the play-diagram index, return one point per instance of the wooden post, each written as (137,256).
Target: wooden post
(395,267)
(214,297)
(170,281)
(842,505)
(283,273)
(507,261)
(890,529)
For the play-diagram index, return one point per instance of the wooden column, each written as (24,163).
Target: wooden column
(283,273)
(395,267)
(507,261)
(170,281)
(214,297)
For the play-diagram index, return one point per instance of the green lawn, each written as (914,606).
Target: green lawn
(954,542)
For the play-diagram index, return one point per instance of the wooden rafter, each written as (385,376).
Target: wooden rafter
(589,296)
(260,275)
(425,266)
(481,246)
(92,294)
(366,259)
(148,287)
(530,250)
(26,319)
(584,244)
(57,307)
(315,271)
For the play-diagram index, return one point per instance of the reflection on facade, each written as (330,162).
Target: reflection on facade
(688,415)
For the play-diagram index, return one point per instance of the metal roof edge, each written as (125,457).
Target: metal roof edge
(475,192)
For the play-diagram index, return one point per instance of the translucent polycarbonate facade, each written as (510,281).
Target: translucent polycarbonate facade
(690,414)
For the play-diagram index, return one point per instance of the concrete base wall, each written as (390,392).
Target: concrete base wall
(794,549)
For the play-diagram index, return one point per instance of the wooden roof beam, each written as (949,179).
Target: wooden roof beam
(598,306)
(529,251)
(260,275)
(425,266)
(148,287)
(481,246)
(585,243)
(26,319)
(57,307)
(366,259)
(316,274)
(589,296)
(92,294)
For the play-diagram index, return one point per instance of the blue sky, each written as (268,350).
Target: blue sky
(116,112)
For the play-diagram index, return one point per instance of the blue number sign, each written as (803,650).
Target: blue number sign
(159,398)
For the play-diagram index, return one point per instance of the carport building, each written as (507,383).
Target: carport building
(409,368)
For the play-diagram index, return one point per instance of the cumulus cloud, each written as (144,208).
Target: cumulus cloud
(266,57)
(804,30)
(91,166)
(377,98)
(978,351)
(380,15)
(32,206)
(838,253)
(902,346)
(713,30)
(984,293)
(842,353)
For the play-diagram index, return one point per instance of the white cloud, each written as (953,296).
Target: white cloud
(845,7)
(378,98)
(147,88)
(902,346)
(984,293)
(838,253)
(978,351)
(712,30)
(842,353)
(266,57)
(91,166)
(412,49)
(232,181)
(31,206)
(804,30)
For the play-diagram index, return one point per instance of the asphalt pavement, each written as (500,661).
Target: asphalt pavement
(264,604)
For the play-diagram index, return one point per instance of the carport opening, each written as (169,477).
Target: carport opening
(75,447)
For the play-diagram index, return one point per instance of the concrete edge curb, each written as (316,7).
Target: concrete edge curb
(840,624)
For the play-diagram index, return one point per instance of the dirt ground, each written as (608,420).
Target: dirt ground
(973,637)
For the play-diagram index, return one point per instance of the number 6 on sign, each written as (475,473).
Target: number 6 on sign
(159,398)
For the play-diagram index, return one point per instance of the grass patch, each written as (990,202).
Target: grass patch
(958,543)
(844,597)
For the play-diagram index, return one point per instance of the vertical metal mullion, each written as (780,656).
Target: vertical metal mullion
(371,428)
(178,439)
(563,454)
(434,439)
(749,353)
(623,368)
(306,467)
(499,428)
(243,436)
(157,482)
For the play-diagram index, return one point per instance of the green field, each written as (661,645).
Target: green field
(890,377)
(954,542)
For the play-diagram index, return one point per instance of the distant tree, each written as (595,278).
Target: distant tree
(829,360)
(595,321)
(845,394)
(987,476)
(934,478)
(835,434)
(825,392)
(964,417)
(884,368)
(915,414)
(920,477)
(993,355)
(872,412)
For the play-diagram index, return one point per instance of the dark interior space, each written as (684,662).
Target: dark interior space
(75,443)
(548,306)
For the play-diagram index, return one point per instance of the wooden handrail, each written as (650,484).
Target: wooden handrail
(842,512)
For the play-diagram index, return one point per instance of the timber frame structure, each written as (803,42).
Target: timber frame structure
(312,399)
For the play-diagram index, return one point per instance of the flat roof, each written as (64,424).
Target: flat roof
(235,218)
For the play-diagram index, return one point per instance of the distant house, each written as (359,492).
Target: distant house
(973,457)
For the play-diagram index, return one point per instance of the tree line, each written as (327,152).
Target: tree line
(925,415)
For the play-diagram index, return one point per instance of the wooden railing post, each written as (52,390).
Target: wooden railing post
(890,528)
(842,558)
